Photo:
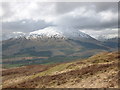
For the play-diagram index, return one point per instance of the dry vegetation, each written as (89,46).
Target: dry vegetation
(99,71)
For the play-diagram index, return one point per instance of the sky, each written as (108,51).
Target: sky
(96,19)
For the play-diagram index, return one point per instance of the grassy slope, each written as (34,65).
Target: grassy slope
(50,47)
(97,71)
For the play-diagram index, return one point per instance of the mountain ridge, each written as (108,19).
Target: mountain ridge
(50,32)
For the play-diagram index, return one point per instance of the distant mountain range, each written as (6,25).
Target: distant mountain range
(52,32)
(52,42)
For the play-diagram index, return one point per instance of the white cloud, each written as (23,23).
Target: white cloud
(1,11)
(30,10)
(108,16)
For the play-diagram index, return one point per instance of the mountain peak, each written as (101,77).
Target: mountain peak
(50,32)
(60,32)
(47,32)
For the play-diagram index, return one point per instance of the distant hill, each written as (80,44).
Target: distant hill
(112,42)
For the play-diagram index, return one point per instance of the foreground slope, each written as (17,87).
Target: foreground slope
(98,71)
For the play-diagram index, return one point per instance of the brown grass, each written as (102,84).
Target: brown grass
(98,66)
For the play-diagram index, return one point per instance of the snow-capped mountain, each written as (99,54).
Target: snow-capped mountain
(106,37)
(12,35)
(49,32)
(52,41)
(59,32)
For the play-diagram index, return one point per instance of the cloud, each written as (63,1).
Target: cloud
(65,7)
(29,16)
(24,25)
(27,10)
(83,18)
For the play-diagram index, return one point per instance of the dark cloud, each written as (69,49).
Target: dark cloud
(24,25)
(65,7)
(90,21)
(103,6)
(82,22)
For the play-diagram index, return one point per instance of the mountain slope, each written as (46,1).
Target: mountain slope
(98,71)
(49,47)
(113,42)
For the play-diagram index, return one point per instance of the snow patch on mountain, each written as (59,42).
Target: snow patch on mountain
(50,32)
(106,37)
(59,32)
(6,36)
